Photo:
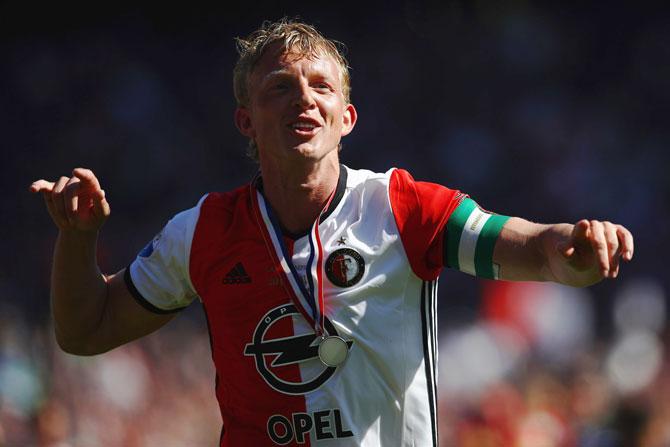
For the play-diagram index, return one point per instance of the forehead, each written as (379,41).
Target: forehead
(277,60)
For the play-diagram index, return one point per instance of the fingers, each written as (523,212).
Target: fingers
(613,248)
(609,243)
(581,228)
(57,201)
(75,202)
(89,182)
(40,186)
(626,241)
(71,198)
(101,208)
(579,232)
(599,244)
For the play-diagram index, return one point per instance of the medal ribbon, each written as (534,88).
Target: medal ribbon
(309,301)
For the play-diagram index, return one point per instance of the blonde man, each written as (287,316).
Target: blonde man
(318,281)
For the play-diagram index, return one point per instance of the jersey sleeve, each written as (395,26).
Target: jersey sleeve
(421,211)
(443,227)
(159,276)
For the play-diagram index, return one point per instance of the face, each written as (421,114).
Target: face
(296,107)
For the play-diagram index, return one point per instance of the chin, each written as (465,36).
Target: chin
(305,150)
(308,150)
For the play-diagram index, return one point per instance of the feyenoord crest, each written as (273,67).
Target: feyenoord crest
(345,267)
(270,354)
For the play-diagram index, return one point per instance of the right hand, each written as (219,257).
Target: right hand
(75,203)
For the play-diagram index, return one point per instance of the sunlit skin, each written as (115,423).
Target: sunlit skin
(297,116)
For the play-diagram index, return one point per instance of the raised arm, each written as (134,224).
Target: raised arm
(93,312)
(578,255)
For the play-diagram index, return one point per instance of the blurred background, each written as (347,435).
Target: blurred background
(540,111)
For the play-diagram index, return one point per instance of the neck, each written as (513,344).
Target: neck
(298,194)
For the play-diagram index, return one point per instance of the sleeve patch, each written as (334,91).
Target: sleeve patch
(147,251)
(160,273)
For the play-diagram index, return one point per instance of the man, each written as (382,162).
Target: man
(318,281)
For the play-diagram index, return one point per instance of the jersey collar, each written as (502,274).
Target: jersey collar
(339,193)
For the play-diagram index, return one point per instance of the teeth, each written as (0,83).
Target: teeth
(306,126)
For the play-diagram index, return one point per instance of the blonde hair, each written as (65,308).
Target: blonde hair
(295,37)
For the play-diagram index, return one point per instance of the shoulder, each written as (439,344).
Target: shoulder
(394,177)
(225,202)
(365,179)
(219,206)
(212,207)
(397,185)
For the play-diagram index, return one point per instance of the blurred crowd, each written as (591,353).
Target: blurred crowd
(543,112)
(528,372)
(158,391)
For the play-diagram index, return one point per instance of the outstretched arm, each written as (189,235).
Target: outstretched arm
(578,255)
(93,313)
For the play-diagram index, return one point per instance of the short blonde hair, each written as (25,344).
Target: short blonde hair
(295,37)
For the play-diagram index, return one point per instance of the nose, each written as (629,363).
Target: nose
(303,97)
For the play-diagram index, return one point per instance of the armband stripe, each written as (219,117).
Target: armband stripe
(485,244)
(455,228)
(469,237)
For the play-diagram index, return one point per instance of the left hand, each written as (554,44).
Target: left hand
(595,248)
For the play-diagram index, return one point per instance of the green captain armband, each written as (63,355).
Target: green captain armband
(471,236)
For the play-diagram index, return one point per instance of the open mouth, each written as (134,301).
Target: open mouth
(305,127)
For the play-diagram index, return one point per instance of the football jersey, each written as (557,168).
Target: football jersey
(385,239)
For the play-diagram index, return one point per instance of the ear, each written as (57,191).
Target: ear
(243,122)
(348,119)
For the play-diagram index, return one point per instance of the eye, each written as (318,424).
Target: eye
(322,86)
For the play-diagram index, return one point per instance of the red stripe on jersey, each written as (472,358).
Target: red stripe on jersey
(421,211)
(227,234)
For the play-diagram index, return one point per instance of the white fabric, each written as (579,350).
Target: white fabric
(163,278)
(469,237)
(382,389)
(385,389)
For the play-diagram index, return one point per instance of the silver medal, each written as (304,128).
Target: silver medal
(333,351)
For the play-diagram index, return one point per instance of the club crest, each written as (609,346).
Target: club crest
(345,267)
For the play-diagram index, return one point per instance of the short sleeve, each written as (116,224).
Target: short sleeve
(159,276)
(421,211)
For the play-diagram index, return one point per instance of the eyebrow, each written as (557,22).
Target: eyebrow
(283,72)
(272,75)
(280,72)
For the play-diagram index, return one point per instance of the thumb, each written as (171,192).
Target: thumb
(565,248)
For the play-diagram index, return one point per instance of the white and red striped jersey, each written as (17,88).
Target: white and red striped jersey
(385,238)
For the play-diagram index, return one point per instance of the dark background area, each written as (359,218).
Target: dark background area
(548,113)
(536,110)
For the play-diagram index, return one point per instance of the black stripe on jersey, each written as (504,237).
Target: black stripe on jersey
(143,301)
(433,295)
(339,193)
(429,349)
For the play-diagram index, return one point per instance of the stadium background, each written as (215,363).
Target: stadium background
(545,112)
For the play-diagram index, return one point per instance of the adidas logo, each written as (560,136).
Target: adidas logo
(237,275)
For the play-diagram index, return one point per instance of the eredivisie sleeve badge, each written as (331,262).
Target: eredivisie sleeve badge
(345,267)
